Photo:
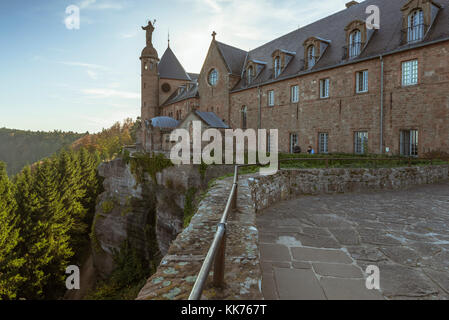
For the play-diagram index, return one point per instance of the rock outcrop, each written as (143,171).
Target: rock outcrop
(146,211)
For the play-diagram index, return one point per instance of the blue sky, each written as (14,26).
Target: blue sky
(87,79)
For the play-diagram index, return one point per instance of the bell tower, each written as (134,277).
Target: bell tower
(149,83)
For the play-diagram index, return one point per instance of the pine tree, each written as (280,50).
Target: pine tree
(10,262)
(71,195)
(46,250)
(90,180)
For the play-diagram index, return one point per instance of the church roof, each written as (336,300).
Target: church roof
(385,40)
(234,57)
(211,119)
(171,68)
(164,122)
(187,92)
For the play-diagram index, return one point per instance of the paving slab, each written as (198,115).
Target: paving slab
(320,255)
(274,252)
(334,238)
(337,270)
(269,289)
(348,289)
(298,284)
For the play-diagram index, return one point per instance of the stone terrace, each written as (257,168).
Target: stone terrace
(317,247)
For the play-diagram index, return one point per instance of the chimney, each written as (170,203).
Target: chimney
(351,3)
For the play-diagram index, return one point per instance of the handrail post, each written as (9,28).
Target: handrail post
(327,163)
(409,162)
(219,263)
(236,183)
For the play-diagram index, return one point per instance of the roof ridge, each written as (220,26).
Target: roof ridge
(308,25)
(230,46)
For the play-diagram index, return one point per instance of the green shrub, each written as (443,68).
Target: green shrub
(107,206)
(189,206)
(143,163)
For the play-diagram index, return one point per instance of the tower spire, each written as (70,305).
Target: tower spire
(169,38)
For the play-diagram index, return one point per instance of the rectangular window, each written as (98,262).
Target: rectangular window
(294,93)
(409,143)
(293,141)
(271,98)
(323,140)
(410,73)
(361,142)
(324,88)
(362,81)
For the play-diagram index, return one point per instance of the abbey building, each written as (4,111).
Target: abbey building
(334,84)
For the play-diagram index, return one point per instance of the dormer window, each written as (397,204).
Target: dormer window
(417,17)
(415,29)
(311,58)
(357,37)
(277,67)
(250,74)
(281,59)
(355,43)
(314,49)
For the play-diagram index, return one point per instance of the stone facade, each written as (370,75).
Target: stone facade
(423,107)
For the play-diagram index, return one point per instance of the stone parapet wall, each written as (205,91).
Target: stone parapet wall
(286,184)
(177,272)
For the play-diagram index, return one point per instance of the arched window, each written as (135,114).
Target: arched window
(311,59)
(250,75)
(244,124)
(277,67)
(415,30)
(355,43)
(213,77)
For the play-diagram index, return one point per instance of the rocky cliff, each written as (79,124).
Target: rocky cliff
(145,207)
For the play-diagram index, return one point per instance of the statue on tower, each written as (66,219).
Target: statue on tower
(149,29)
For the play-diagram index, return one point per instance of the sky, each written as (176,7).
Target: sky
(58,78)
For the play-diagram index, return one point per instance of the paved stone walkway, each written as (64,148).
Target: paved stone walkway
(317,247)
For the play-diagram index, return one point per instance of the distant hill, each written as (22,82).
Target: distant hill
(19,148)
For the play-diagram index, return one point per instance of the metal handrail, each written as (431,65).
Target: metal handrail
(216,254)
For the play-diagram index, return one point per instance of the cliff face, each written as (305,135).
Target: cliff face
(147,211)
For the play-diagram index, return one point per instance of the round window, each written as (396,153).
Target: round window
(166,87)
(213,77)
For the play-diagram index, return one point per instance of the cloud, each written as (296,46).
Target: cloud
(111,93)
(92,74)
(84,65)
(245,24)
(125,35)
(101,5)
